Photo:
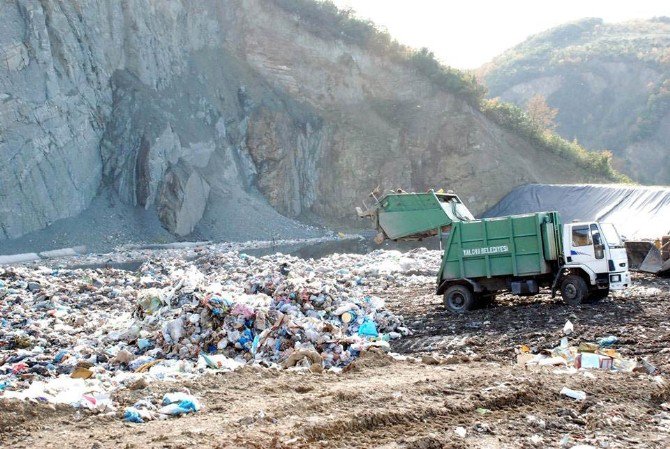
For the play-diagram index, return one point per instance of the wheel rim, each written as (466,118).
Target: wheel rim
(570,291)
(456,300)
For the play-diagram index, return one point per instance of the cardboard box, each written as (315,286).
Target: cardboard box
(593,361)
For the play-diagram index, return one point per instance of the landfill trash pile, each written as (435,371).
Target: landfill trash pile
(75,336)
(125,254)
(276,309)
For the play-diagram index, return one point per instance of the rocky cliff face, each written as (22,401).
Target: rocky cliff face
(202,110)
(609,82)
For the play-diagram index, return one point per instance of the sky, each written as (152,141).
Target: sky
(468,33)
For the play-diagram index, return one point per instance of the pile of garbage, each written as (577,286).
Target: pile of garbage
(73,336)
(265,316)
(587,355)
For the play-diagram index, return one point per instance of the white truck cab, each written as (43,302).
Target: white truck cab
(596,250)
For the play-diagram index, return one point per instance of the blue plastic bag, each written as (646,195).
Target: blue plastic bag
(368,329)
(187,405)
(144,343)
(246,339)
(132,415)
(59,356)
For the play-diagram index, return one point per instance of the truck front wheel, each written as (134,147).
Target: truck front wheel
(459,299)
(574,290)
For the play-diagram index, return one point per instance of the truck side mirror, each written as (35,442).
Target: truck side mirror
(599,251)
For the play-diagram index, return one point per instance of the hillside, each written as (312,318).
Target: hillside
(609,82)
(221,119)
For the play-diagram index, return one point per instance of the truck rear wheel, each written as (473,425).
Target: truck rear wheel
(459,299)
(574,290)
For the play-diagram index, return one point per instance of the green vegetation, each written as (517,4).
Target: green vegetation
(610,83)
(325,20)
(448,78)
(658,105)
(580,42)
(515,119)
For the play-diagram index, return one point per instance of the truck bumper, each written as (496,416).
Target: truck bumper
(620,281)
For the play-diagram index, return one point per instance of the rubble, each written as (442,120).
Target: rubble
(125,255)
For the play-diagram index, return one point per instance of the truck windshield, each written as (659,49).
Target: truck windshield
(611,236)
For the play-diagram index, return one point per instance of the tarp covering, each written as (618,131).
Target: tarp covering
(638,212)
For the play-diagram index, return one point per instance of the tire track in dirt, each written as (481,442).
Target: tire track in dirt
(459,407)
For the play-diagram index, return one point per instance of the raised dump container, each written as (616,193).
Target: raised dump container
(518,245)
(408,216)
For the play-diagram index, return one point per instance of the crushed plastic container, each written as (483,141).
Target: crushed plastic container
(574,394)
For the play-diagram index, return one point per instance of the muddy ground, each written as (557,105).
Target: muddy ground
(384,402)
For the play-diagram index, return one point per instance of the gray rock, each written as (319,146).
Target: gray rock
(220,116)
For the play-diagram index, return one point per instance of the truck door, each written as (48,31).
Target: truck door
(587,247)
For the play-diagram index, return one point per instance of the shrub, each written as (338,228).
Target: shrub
(515,119)
(448,78)
(324,19)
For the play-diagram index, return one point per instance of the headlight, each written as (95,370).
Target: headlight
(615,278)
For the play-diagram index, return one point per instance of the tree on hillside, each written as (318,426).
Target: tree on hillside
(542,116)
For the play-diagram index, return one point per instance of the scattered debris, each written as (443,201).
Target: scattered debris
(586,355)
(85,320)
(574,394)
(568,328)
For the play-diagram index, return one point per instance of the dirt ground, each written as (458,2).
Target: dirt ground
(468,394)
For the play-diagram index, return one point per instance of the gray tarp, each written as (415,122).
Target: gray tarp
(638,212)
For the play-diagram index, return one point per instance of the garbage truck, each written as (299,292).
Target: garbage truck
(518,253)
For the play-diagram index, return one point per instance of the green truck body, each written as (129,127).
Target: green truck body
(519,253)
(518,246)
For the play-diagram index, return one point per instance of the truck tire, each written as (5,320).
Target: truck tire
(459,299)
(574,290)
(598,295)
